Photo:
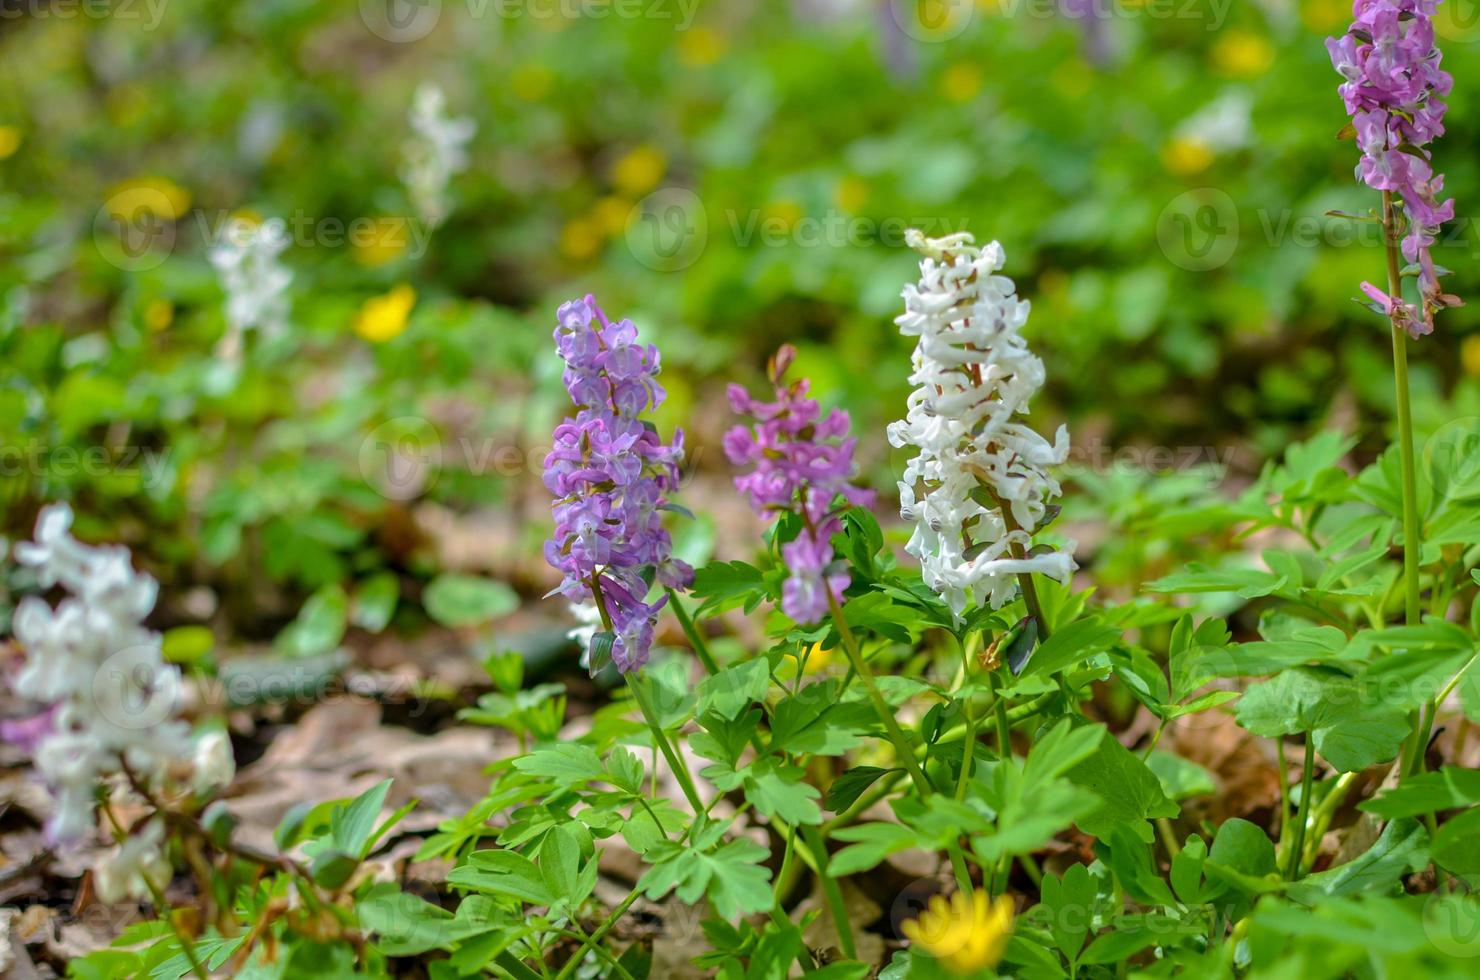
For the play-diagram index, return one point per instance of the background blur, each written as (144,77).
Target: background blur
(731,176)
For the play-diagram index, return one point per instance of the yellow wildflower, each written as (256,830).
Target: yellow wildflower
(851,194)
(701,46)
(384,317)
(967,934)
(610,214)
(531,82)
(158,196)
(385,243)
(961,82)
(579,239)
(1469,353)
(1185,156)
(639,170)
(10,141)
(784,214)
(1242,54)
(159,314)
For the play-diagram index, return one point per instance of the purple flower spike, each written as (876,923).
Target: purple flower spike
(801,463)
(609,471)
(1394,91)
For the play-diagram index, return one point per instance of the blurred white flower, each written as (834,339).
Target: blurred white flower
(1222,125)
(589,618)
(436,151)
(129,870)
(213,762)
(91,657)
(974,376)
(255,281)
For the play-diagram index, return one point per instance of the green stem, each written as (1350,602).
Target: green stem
(680,771)
(691,633)
(812,836)
(881,707)
(1411,532)
(1320,821)
(596,937)
(1302,813)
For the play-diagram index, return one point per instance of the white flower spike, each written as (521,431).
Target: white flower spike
(974,376)
(436,152)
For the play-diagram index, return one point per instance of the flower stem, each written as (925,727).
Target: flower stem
(680,771)
(812,836)
(1412,543)
(692,634)
(1302,813)
(886,714)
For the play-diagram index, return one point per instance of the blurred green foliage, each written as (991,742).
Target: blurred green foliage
(731,176)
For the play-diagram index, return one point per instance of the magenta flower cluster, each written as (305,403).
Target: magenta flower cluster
(802,462)
(609,473)
(1393,90)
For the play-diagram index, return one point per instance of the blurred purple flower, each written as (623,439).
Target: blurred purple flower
(801,463)
(1393,89)
(609,471)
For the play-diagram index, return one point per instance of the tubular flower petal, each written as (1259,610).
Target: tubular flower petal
(980,485)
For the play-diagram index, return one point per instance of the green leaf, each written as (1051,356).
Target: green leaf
(351,827)
(1129,793)
(723,585)
(1249,583)
(320,625)
(1429,792)
(566,763)
(733,877)
(780,791)
(1241,846)
(1071,646)
(734,688)
(560,863)
(1400,849)
(848,787)
(501,872)
(872,843)
(187,645)
(1181,778)
(458,601)
(1457,844)
(375,602)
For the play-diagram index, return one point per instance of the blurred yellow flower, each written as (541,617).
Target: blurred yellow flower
(701,46)
(384,317)
(151,195)
(961,82)
(579,239)
(159,314)
(851,194)
(1242,54)
(967,934)
(1469,353)
(1186,156)
(639,170)
(10,141)
(1325,15)
(994,7)
(610,214)
(531,82)
(783,213)
(386,242)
